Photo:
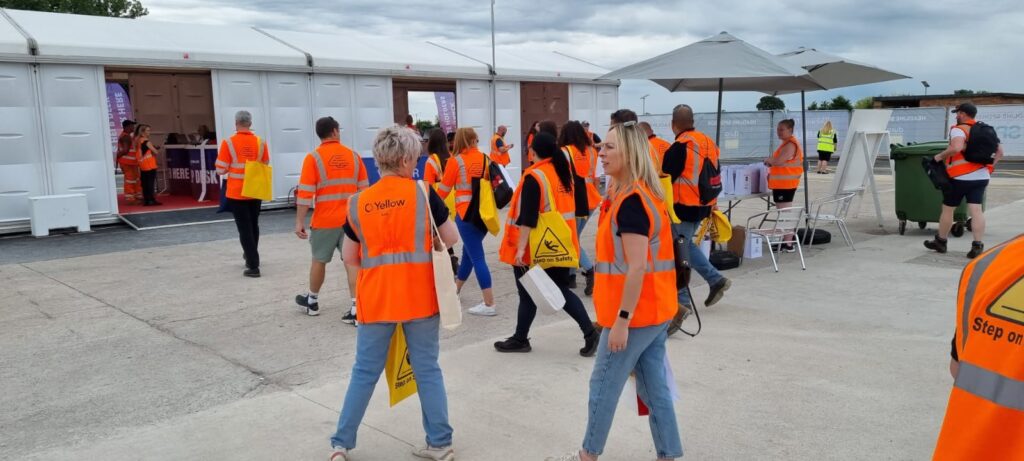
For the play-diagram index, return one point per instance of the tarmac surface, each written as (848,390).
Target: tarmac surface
(124,345)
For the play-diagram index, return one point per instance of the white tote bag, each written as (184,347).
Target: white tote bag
(444,279)
(542,290)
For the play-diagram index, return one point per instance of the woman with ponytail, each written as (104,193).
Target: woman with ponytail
(551,176)
(577,145)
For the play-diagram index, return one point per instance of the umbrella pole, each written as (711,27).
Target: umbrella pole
(803,126)
(718,121)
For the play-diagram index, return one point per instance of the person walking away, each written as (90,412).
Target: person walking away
(467,166)
(534,128)
(634,297)
(985,414)
(128,160)
(684,161)
(785,168)
(147,165)
(389,242)
(576,145)
(331,174)
(551,176)
(828,139)
(969,181)
(439,153)
(499,151)
(411,124)
(243,146)
(658,146)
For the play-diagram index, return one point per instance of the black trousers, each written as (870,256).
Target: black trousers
(528,310)
(148,186)
(247,220)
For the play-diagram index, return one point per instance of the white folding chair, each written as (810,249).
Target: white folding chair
(831,209)
(776,228)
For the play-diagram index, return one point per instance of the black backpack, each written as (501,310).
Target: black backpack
(709,184)
(724,260)
(982,144)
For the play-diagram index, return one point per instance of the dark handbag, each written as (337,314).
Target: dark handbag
(502,191)
(937,173)
(473,212)
(724,260)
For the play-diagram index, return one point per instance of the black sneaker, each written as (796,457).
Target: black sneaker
(349,318)
(513,345)
(937,244)
(717,291)
(589,289)
(254,273)
(312,308)
(572,282)
(590,343)
(977,248)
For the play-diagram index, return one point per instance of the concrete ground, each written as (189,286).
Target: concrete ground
(123,345)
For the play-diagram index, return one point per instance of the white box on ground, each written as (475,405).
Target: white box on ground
(752,249)
(58,211)
(542,290)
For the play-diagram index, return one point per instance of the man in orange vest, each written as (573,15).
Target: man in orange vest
(128,160)
(499,150)
(331,174)
(683,161)
(658,146)
(969,181)
(985,414)
(234,152)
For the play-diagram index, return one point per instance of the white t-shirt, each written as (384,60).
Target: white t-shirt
(980,175)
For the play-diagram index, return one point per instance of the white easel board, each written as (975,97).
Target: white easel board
(866,139)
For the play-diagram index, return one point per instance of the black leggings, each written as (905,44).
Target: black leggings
(148,186)
(528,310)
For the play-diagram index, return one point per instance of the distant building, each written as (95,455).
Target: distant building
(947,100)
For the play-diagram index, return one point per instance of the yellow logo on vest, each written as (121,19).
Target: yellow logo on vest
(1010,306)
(550,247)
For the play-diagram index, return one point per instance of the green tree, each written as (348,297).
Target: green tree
(964,92)
(424,126)
(813,106)
(840,103)
(111,8)
(770,103)
(864,103)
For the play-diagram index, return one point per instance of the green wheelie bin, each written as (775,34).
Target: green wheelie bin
(917,199)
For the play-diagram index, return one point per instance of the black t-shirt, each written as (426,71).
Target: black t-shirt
(437,208)
(529,201)
(673,165)
(632,218)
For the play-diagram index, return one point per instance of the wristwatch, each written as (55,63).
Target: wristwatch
(625,315)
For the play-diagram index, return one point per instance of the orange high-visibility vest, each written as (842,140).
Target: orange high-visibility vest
(233,154)
(459,174)
(432,169)
(565,203)
(658,148)
(787,176)
(956,164)
(147,161)
(657,302)
(499,157)
(396,275)
(586,167)
(699,146)
(985,415)
(129,163)
(331,174)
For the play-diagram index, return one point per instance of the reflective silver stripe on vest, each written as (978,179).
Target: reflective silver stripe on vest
(784,177)
(362,184)
(321,171)
(544,187)
(442,188)
(989,385)
(303,201)
(333,197)
(236,175)
(619,266)
(972,284)
(435,163)
(420,255)
(463,183)
(234,156)
(307,188)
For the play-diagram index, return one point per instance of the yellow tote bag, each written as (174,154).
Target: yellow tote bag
(449,202)
(398,369)
(666,186)
(488,207)
(551,243)
(258,182)
(721,228)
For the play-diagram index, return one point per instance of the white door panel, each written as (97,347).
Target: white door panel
(607,102)
(582,103)
(508,114)
(372,110)
(332,97)
(239,90)
(21,154)
(473,107)
(290,127)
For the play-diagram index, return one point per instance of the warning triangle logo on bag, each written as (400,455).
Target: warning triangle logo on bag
(550,247)
(404,368)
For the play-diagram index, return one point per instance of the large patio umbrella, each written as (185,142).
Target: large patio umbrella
(831,71)
(720,63)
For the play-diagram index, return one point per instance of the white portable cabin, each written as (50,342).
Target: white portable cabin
(54,128)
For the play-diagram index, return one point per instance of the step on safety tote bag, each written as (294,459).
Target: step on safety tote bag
(258,181)
(398,369)
(444,278)
(666,186)
(542,290)
(551,242)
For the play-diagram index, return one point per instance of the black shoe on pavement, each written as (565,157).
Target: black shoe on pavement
(977,248)
(254,273)
(312,308)
(717,291)
(572,282)
(937,244)
(513,345)
(590,343)
(589,289)
(349,318)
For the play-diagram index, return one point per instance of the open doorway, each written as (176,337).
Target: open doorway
(177,107)
(425,104)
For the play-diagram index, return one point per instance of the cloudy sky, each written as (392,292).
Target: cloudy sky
(952,45)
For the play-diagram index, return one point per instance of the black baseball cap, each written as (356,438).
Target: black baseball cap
(128,123)
(966,108)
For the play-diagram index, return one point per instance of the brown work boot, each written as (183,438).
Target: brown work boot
(937,244)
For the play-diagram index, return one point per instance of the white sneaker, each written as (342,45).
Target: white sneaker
(574,456)
(338,454)
(483,309)
(437,454)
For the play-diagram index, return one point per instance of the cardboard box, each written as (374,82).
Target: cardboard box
(745,181)
(738,241)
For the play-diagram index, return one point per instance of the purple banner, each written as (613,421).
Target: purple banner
(446,110)
(119,109)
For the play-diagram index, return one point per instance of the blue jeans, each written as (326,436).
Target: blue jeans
(372,343)
(698,261)
(645,356)
(585,263)
(473,257)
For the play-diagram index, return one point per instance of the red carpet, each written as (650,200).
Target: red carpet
(169,202)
